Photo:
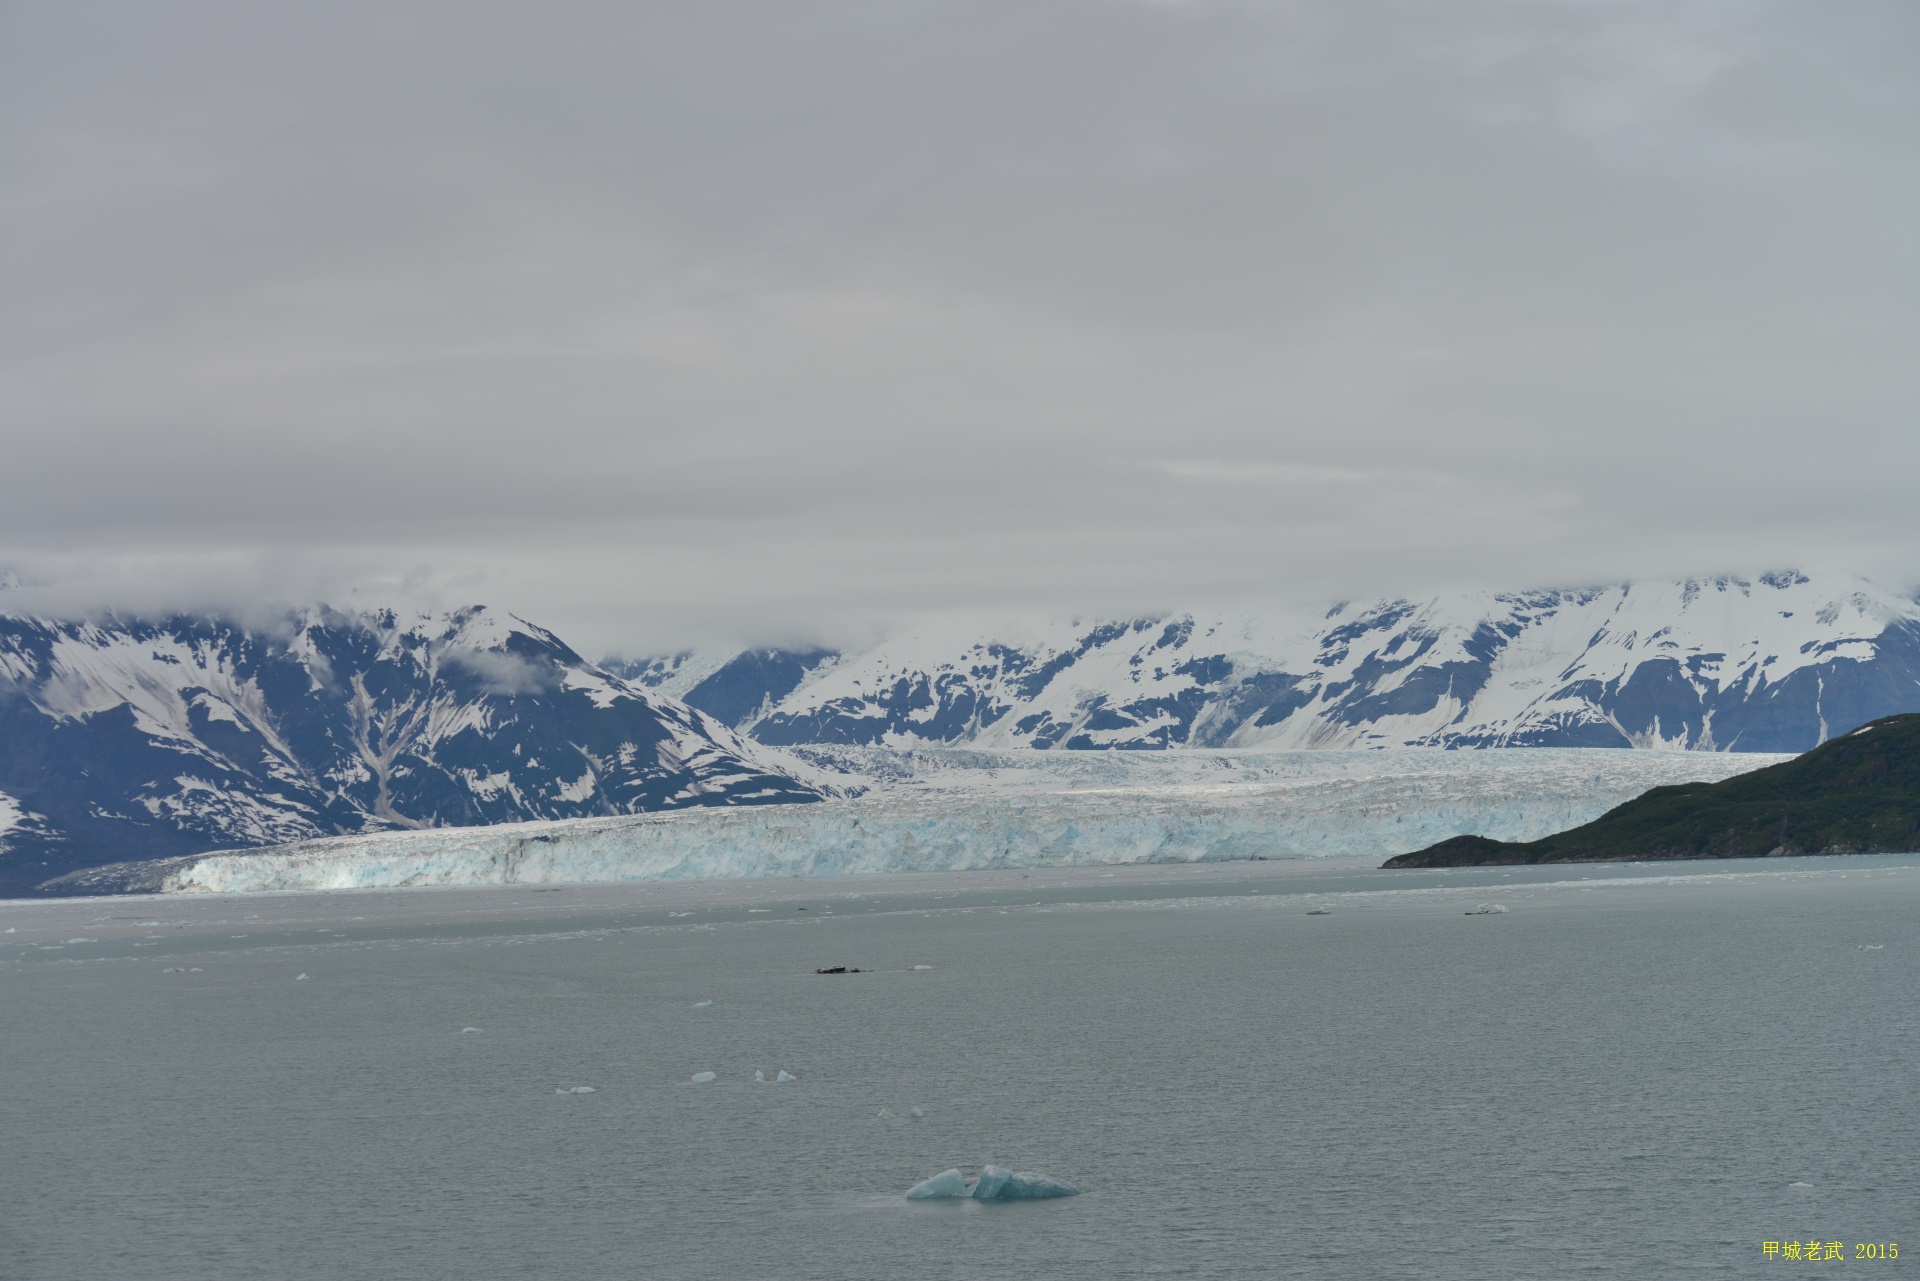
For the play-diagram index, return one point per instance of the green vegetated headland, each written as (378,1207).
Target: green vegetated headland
(1856,794)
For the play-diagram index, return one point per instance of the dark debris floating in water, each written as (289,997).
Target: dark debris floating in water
(839,969)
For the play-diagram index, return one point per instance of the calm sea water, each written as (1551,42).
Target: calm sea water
(1618,1077)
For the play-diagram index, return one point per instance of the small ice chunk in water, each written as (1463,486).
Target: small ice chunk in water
(944,1184)
(299,978)
(784,1077)
(465,1030)
(1799,1185)
(915,1113)
(702,1078)
(997,1183)
(919,967)
(701,1005)
(760,1077)
(578,1089)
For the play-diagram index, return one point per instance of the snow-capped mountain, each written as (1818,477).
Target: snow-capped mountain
(123,740)
(1776,664)
(130,739)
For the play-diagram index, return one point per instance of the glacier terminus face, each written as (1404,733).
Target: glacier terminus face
(960,811)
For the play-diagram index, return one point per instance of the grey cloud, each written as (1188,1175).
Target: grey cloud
(657,320)
(501,672)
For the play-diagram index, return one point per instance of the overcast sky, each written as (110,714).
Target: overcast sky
(765,319)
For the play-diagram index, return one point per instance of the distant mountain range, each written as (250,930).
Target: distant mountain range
(149,739)
(1775,664)
(125,739)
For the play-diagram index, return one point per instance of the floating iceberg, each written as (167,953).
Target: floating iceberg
(997,1183)
(701,1005)
(948,1183)
(1487,909)
(783,1077)
(704,1078)
(760,1077)
(299,978)
(578,1089)
(465,1030)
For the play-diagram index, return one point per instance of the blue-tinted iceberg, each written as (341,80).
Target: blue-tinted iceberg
(997,1183)
(946,1183)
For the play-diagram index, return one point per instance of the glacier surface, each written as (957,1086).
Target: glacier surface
(933,810)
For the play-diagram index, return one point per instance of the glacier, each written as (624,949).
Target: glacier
(930,810)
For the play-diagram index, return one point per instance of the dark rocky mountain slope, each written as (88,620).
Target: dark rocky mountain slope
(130,739)
(1858,794)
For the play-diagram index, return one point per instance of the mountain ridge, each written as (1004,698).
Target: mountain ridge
(138,738)
(1777,663)
(155,738)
